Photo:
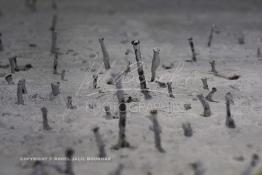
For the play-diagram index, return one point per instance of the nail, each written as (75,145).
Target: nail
(157,130)
(118,170)
(69,104)
(255,160)
(1,43)
(191,43)
(54,22)
(188,132)
(258,53)
(54,5)
(63,75)
(187,106)
(230,123)
(53,42)
(95,77)
(13,64)
(127,52)
(108,112)
(55,63)
(20,92)
(31,4)
(155,63)
(106,58)
(55,88)
(100,143)
(38,168)
(213,66)
(241,40)
(207,111)
(128,68)
(141,76)
(24,90)
(204,82)
(198,168)
(210,37)
(122,141)
(69,163)
(9,79)
(45,119)
(170,91)
(209,96)
(253,163)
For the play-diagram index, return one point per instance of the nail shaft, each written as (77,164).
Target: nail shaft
(253,163)
(53,42)
(45,119)
(95,77)
(141,76)
(204,82)
(258,53)
(157,130)
(55,88)
(118,170)
(230,123)
(188,132)
(1,42)
(69,103)
(13,64)
(207,111)
(210,37)
(155,63)
(100,143)
(170,91)
(209,96)
(106,57)
(108,112)
(122,142)
(31,4)
(54,22)
(55,63)
(191,43)
(198,168)
(69,163)
(20,90)
(38,168)
(24,90)
(54,5)
(213,66)
(63,75)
